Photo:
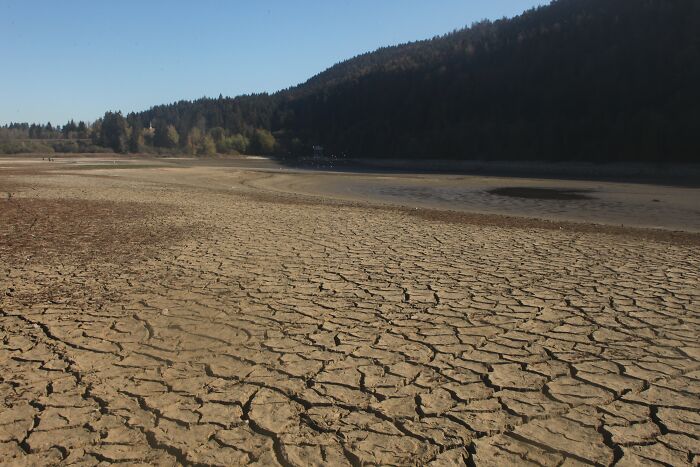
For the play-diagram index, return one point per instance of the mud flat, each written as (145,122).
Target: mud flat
(582,201)
(185,314)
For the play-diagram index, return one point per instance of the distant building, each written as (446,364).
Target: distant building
(318,152)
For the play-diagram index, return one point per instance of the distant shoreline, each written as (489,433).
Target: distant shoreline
(671,174)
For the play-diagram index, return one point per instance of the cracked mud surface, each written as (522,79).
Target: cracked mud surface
(181,317)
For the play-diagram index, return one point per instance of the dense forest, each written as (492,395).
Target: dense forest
(586,80)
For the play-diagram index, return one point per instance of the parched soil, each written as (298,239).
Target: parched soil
(181,317)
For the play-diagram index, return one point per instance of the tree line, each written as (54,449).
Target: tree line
(16,138)
(18,131)
(576,80)
(129,134)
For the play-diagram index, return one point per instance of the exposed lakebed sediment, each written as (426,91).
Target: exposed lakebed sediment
(183,316)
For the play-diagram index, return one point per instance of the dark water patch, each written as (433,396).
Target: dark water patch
(542,193)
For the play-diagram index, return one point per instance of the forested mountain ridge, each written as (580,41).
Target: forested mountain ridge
(583,80)
(577,80)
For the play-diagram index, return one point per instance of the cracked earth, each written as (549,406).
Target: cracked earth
(180,316)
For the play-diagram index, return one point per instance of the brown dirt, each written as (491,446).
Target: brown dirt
(182,317)
(511,222)
(79,230)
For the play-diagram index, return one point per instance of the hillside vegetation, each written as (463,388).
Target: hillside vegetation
(583,80)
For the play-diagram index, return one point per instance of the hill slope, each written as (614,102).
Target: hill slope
(594,80)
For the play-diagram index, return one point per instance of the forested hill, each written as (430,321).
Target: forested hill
(584,80)
(576,80)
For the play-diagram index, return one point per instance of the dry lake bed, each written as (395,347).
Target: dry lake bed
(173,311)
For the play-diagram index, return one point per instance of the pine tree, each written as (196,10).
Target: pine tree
(114,132)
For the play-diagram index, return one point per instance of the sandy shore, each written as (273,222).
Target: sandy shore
(168,312)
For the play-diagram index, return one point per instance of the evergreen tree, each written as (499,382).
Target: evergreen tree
(166,136)
(96,131)
(69,129)
(114,132)
(82,130)
(136,139)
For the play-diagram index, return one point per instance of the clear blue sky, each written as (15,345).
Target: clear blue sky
(77,59)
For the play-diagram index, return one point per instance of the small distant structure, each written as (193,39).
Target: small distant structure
(317,152)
